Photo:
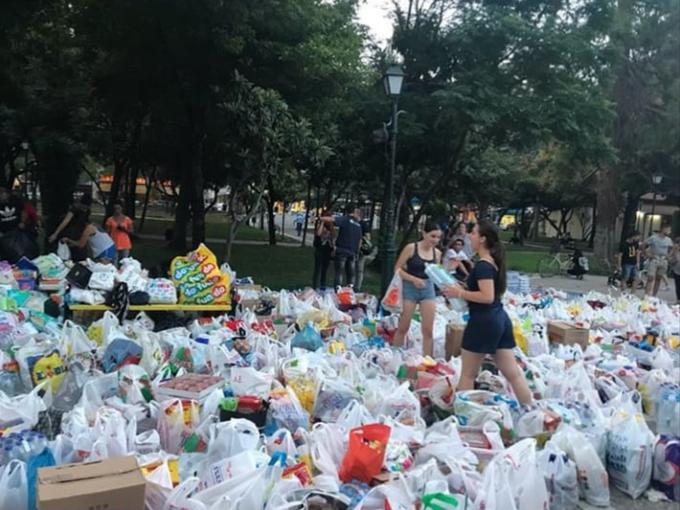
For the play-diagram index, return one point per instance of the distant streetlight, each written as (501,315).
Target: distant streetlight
(392,81)
(656,180)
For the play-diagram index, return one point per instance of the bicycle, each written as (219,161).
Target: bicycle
(554,264)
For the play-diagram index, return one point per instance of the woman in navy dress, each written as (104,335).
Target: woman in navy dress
(489,330)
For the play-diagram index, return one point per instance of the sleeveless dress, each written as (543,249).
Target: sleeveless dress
(489,327)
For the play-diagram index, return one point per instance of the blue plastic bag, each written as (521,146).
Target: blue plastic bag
(45,459)
(309,338)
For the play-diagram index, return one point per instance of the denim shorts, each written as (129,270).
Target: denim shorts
(629,272)
(413,293)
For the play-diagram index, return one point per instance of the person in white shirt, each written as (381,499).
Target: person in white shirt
(658,248)
(456,260)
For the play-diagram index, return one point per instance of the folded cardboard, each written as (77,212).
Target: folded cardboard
(567,333)
(112,484)
(454,340)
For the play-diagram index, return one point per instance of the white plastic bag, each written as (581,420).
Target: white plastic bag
(394,495)
(158,487)
(327,448)
(63,251)
(248,381)
(393,300)
(560,476)
(495,492)
(630,453)
(102,280)
(89,297)
(74,340)
(13,486)
(592,476)
(232,437)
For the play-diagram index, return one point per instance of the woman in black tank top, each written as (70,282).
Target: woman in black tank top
(418,289)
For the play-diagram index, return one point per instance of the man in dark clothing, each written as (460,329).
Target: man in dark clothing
(629,260)
(11,209)
(346,245)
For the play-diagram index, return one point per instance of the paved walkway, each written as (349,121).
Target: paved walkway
(217,240)
(593,282)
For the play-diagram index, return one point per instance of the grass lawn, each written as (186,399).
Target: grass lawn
(273,266)
(216,226)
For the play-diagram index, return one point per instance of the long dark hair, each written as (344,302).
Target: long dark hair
(493,243)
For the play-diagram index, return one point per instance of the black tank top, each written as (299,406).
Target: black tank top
(415,266)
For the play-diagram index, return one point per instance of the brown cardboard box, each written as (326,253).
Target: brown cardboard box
(454,340)
(562,332)
(111,484)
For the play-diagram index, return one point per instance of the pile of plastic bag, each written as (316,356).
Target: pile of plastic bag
(305,404)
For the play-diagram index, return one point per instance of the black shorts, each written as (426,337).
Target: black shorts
(487,331)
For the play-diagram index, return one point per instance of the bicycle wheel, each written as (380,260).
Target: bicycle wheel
(548,266)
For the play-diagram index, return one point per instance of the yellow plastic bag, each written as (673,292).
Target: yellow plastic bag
(305,387)
(520,338)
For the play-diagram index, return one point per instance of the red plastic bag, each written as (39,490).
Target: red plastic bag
(366,453)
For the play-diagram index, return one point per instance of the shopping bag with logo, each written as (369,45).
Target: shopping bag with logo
(560,476)
(630,449)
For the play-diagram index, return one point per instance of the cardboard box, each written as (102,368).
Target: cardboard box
(111,484)
(454,340)
(562,332)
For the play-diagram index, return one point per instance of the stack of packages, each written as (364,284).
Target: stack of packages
(299,401)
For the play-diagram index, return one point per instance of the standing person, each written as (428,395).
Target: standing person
(658,247)
(675,268)
(489,330)
(463,233)
(628,261)
(346,244)
(367,254)
(11,210)
(73,225)
(418,289)
(99,244)
(299,223)
(324,234)
(119,228)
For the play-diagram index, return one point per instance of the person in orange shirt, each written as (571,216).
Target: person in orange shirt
(119,228)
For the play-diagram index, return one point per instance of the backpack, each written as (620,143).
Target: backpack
(366,245)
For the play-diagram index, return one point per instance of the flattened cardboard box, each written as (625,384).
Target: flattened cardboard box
(563,332)
(111,484)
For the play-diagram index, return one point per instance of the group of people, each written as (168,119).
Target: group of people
(489,329)
(346,240)
(76,231)
(85,240)
(655,257)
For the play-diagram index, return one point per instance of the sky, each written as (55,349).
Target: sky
(375,14)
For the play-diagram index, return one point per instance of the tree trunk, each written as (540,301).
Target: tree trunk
(308,204)
(608,198)
(629,214)
(179,238)
(283,219)
(147,194)
(130,206)
(118,174)
(197,204)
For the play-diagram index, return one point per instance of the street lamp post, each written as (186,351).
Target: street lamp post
(656,180)
(393,79)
